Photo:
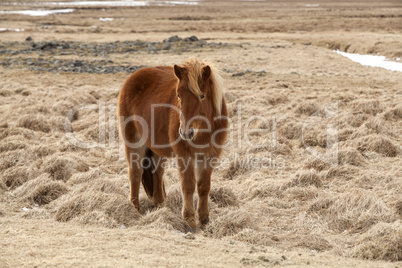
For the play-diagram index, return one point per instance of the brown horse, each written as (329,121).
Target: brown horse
(174,112)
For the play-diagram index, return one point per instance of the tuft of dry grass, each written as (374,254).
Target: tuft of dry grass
(3,186)
(238,166)
(372,126)
(18,131)
(103,185)
(301,193)
(58,123)
(45,193)
(351,156)
(34,122)
(41,190)
(314,138)
(306,178)
(381,242)
(16,176)
(317,164)
(256,190)
(61,167)
(98,218)
(40,151)
(12,159)
(84,177)
(165,218)
(255,237)
(307,108)
(230,96)
(398,208)
(394,113)
(38,109)
(375,125)
(223,197)
(122,210)
(277,99)
(8,145)
(356,120)
(378,144)
(313,242)
(5,93)
(63,107)
(77,205)
(279,148)
(230,222)
(147,205)
(372,107)
(174,200)
(346,172)
(291,130)
(3,125)
(351,210)
(345,134)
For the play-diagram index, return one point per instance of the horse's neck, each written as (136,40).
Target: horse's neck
(218,118)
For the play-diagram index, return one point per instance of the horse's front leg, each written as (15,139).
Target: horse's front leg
(204,170)
(187,179)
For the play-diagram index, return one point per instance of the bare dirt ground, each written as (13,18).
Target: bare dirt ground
(325,188)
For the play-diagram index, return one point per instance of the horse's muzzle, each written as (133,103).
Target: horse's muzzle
(187,136)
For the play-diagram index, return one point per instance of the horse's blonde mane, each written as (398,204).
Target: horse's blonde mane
(195,70)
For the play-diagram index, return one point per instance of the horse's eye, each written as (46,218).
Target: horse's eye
(202,96)
(178,95)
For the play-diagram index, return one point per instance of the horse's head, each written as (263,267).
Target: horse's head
(199,97)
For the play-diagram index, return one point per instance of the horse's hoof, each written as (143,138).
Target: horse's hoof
(191,223)
(136,204)
(204,221)
(158,201)
(191,229)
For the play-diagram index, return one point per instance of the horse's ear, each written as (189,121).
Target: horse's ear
(206,72)
(178,71)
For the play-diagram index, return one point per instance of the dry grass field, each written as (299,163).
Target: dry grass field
(311,174)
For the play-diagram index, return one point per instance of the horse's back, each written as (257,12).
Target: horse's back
(147,85)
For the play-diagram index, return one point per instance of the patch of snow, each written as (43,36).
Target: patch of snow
(100,3)
(11,30)
(25,209)
(106,19)
(374,61)
(121,3)
(312,5)
(37,13)
(180,233)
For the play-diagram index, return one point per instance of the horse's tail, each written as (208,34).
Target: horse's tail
(147,173)
(152,178)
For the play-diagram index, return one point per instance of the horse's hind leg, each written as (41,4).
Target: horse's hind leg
(134,158)
(135,152)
